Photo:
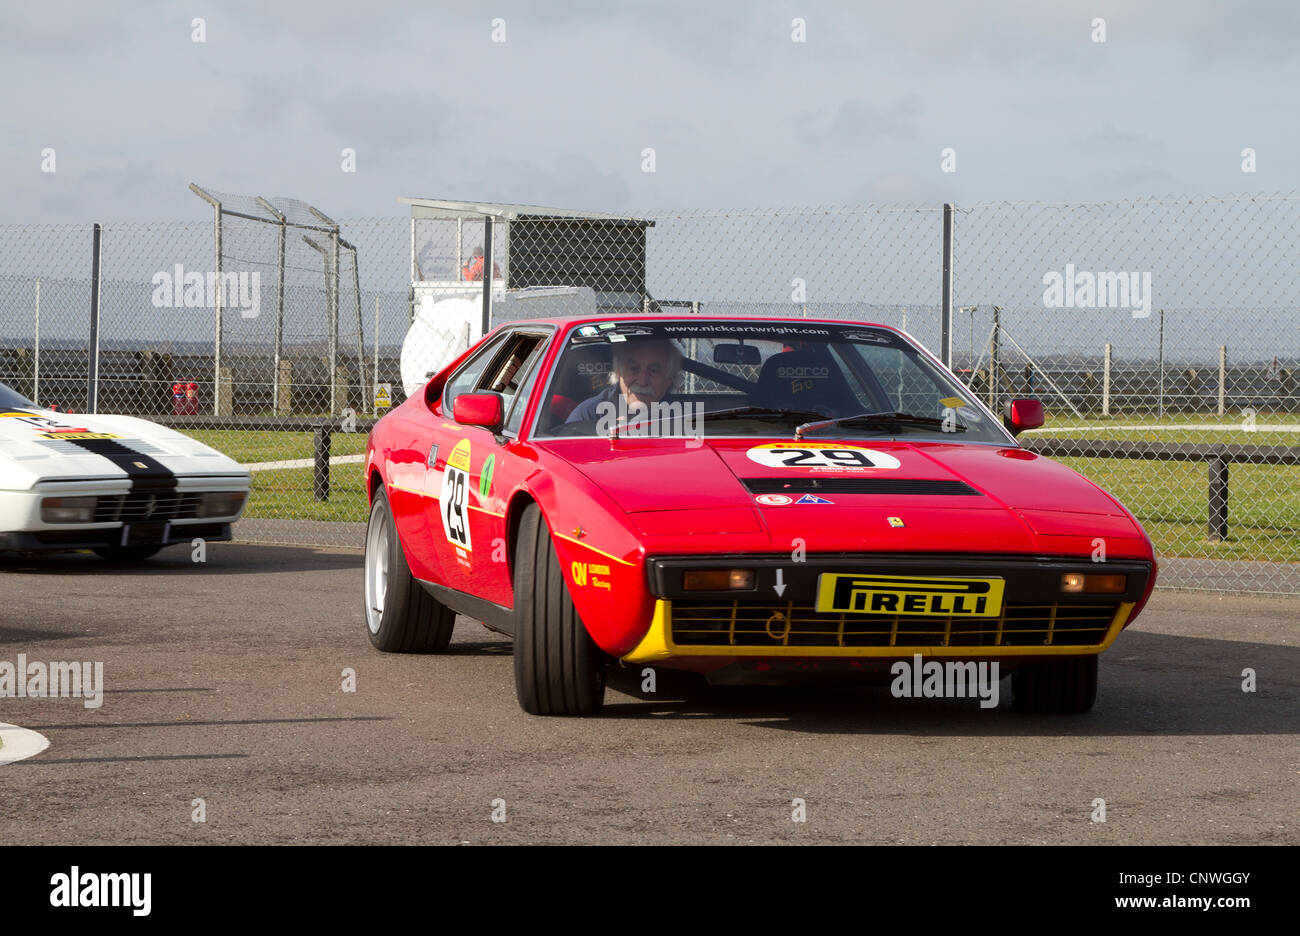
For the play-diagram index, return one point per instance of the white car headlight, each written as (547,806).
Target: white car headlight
(68,510)
(221,503)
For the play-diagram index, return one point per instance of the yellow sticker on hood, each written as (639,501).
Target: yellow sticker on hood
(77,435)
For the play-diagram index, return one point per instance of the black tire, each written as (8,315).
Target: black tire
(559,670)
(1062,687)
(125,553)
(408,619)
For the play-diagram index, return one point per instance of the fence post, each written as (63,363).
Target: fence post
(216,241)
(1105,382)
(216,357)
(92,374)
(361,348)
(321,468)
(144,367)
(487,275)
(284,387)
(1223,376)
(279,303)
(332,299)
(342,386)
(460,248)
(1218,500)
(36,362)
(995,378)
(945,324)
(225,391)
(375,389)
(1161,397)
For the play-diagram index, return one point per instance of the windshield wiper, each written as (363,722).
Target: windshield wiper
(878,419)
(762,411)
(738,411)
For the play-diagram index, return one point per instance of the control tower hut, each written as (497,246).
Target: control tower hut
(526,247)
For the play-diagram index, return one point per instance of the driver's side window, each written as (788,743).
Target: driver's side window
(467,378)
(499,369)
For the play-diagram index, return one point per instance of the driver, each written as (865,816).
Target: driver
(643,372)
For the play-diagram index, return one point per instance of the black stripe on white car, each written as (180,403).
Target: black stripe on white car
(152,484)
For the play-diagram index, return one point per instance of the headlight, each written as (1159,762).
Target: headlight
(1110,583)
(68,510)
(718,580)
(221,503)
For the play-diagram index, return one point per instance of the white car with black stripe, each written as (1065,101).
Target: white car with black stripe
(119,485)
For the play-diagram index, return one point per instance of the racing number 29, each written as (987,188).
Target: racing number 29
(814,458)
(455,523)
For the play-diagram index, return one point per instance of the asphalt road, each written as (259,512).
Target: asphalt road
(224,682)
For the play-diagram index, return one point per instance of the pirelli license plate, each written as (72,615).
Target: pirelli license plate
(909,594)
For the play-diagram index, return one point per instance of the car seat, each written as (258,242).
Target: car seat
(803,380)
(586,373)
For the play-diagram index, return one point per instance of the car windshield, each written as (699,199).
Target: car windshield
(10,398)
(735,378)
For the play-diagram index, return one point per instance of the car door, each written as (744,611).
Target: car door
(475,468)
(420,522)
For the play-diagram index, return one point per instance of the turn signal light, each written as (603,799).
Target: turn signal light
(1094,583)
(718,580)
(68,510)
(221,503)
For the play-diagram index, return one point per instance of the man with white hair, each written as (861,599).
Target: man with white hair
(643,372)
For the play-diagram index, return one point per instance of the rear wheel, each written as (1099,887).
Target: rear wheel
(125,553)
(401,617)
(559,670)
(1059,687)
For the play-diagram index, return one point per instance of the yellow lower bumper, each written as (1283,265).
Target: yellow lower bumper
(658,644)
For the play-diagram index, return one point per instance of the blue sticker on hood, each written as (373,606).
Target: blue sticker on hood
(813,499)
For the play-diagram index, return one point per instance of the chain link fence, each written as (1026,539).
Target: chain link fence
(1163,335)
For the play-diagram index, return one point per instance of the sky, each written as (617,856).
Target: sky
(563,110)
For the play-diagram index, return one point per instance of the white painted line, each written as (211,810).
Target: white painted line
(304,463)
(18,743)
(1168,427)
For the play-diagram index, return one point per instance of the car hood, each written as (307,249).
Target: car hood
(894,495)
(38,444)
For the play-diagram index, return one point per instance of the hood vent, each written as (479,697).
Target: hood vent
(857,486)
(68,447)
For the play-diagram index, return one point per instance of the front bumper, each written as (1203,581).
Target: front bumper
(1034,619)
(138,534)
(126,514)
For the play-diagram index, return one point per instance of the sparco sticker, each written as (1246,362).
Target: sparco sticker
(820,456)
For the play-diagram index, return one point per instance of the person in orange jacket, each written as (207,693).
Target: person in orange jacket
(473,271)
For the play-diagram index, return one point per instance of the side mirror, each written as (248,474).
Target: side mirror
(1020,415)
(486,410)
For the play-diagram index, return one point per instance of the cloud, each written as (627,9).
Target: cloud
(859,123)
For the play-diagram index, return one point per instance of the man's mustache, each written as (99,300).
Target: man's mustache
(642,390)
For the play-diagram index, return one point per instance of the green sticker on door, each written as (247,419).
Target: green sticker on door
(485,477)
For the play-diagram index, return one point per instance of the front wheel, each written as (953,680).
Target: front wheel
(1061,687)
(401,617)
(559,670)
